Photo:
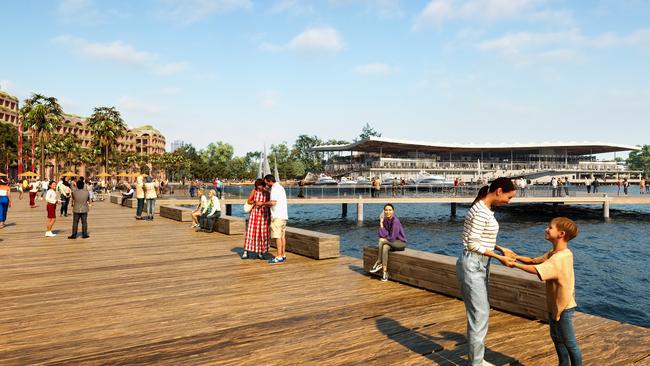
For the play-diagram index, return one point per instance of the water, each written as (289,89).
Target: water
(612,279)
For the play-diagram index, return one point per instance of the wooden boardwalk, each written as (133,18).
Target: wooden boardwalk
(158,293)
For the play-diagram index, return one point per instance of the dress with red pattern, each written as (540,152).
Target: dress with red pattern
(257,232)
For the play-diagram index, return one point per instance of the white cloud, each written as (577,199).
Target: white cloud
(533,48)
(85,12)
(292,7)
(381,8)
(638,38)
(374,69)
(316,40)
(121,52)
(191,11)
(133,104)
(438,12)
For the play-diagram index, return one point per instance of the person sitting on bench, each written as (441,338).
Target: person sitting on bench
(211,212)
(126,195)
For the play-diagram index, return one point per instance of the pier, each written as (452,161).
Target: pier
(604,201)
(141,292)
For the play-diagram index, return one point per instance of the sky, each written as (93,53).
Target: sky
(250,72)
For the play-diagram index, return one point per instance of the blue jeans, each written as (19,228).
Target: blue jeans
(151,207)
(564,337)
(473,272)
(140,208)
(207,221)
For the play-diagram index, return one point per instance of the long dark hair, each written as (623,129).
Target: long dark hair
(504,183)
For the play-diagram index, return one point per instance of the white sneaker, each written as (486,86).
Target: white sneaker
(50,234)
(485,363)
(376,268)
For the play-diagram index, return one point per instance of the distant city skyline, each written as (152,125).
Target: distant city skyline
(251,73)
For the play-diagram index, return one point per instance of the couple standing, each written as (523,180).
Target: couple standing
(269,209)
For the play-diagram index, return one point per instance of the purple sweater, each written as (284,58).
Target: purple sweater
(392,230)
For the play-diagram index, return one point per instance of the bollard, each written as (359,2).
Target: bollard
(344,209)
(359,210)
(606,209)
(229,209)
(453,209)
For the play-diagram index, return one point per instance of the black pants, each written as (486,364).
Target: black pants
(64,206)
(138,211)
(84,223)
(124,198)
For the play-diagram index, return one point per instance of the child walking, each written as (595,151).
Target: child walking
(556,268)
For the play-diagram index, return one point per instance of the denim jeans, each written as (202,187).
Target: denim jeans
(151,207)
(473,272)
(207,221)
(140,208)
(564,337)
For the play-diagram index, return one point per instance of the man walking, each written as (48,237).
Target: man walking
(279,216)
(80,199)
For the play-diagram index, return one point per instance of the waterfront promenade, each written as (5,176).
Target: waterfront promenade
(158,293)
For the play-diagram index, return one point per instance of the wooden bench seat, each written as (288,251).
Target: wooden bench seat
(510,289)
(230,225)
(130,202)
(312,244)
(178,213)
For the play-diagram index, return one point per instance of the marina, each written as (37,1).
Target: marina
(138,292)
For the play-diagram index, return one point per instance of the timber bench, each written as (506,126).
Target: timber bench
(130,202)
(230,225)
(510,290)
(312,244)
(178,213)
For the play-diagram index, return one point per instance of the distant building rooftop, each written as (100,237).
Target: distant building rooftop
(374,144)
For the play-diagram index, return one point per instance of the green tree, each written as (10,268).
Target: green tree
(43,115)
(216,157)
(288,164)
(640,160)
(9,146)
(366,132)
(108,126)
(302,150)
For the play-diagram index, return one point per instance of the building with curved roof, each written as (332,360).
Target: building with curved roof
(377,156)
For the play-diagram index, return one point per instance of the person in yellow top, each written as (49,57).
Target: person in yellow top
(556,268)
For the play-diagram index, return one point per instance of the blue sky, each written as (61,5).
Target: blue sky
(253,72)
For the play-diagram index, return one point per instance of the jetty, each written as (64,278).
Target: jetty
(139,292)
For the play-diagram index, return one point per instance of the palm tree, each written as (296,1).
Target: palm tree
(70,147)
(108,126)
(42,115)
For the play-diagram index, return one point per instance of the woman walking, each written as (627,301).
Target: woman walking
(51,199)
(473,266)
(150,196)
(257,231)
(5,200)
(391,238)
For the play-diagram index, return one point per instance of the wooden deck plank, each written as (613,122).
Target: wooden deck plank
(159,293)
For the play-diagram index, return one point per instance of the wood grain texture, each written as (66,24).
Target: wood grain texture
(178,213)
(143,293)
(312,244)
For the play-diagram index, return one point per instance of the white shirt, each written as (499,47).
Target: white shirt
(50,196)
(279,210)
(480,229)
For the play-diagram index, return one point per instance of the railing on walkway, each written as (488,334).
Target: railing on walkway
(365,191)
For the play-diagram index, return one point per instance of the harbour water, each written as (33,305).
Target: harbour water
(612,276)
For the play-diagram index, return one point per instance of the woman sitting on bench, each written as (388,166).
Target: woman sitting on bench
(212,212)
(391,238)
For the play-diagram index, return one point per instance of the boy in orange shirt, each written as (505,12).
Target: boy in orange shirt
(556,268)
